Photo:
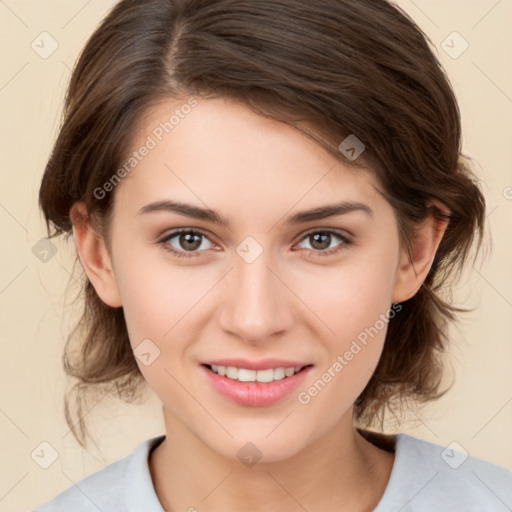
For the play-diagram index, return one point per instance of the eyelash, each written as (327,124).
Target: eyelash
(346,241)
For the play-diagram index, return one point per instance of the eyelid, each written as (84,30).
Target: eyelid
(345,237)
(210,236)
(177,231)
(320,229)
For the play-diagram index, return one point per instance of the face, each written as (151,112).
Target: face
(261,288)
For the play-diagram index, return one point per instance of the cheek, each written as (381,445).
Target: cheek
(356,307)
(163,306)
(350,297)
(156,295)
(158,302)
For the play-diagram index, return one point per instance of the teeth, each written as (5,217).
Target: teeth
(232,372)
(245,375)
(279,373)
(262,375)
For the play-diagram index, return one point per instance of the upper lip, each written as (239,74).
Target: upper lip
(264,364)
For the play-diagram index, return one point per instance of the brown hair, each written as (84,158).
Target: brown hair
(338,66)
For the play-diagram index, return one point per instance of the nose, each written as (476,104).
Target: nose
(257,304)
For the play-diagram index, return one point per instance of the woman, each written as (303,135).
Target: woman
(267,198)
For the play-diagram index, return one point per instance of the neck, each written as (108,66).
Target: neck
(341,471)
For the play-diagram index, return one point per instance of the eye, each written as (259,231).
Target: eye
(190,243)
(320,240)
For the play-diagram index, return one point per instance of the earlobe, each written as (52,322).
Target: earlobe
(413,268)
(94,256)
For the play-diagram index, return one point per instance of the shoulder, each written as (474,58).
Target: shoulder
(112,487)
(427,476)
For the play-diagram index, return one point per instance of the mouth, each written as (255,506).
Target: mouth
(253,386)
(242,374)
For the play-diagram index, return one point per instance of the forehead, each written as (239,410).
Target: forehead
(218,149)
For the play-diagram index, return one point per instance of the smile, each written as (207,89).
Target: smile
(246,375)
(255,387)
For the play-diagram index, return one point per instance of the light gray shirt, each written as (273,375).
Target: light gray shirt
(426,477)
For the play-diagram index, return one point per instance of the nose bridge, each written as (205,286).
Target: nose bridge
(257,304)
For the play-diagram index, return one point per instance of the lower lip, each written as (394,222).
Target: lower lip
(255,393)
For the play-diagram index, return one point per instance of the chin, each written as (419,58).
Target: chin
(256,449)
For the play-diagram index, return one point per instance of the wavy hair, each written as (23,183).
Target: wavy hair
(329,68)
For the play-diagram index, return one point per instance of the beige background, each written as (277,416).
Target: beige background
(477,413)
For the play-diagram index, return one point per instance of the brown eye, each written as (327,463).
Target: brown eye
(189,241)
(320,242)
(186,241)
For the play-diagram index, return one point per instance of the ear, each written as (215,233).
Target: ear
(94,256)
(413,269)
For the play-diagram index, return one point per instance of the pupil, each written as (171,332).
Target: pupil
(324,236)
(187,239)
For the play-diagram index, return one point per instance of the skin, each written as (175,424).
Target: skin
(289,303)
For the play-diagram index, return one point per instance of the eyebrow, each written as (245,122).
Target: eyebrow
(196,212)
